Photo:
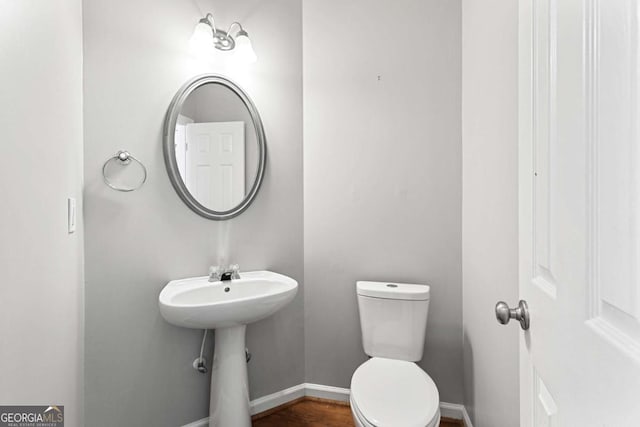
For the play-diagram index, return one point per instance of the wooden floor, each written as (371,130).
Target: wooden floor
(312,412)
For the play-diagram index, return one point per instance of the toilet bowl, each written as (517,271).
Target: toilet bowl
(390,390)
(393,393)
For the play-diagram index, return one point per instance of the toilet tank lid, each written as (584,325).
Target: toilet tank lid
(393,290)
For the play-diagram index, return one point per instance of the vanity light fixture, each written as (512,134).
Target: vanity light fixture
(206,34)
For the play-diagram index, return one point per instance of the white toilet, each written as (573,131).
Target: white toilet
(390,390)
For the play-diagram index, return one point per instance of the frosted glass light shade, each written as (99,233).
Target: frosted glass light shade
(244,50)
(202,38)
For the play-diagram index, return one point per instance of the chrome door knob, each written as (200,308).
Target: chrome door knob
(520,313)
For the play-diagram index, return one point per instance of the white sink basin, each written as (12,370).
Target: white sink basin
(198,303)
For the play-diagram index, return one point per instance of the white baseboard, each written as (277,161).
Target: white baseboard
(326,392)
(455,411)
(467,419)
(269,401)
(204,422)
(278,398)
(261,404)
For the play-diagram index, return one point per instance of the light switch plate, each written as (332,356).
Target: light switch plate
(71,214)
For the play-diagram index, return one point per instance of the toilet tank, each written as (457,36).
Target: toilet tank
(393,318)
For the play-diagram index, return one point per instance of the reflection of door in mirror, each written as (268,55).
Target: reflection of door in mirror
(180,144)
(214,165)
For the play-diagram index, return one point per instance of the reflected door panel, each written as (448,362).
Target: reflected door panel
(180,144)
(215,163)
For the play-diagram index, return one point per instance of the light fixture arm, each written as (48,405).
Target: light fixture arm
(238,25)
(209,19)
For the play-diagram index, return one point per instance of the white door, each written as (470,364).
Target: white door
(215,166)
(580,212)
(180,144)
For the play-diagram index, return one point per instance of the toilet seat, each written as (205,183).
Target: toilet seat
(394,393)
(359,419)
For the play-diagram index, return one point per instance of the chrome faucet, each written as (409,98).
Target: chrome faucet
(217,273)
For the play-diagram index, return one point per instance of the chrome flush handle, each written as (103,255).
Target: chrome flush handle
(520,313)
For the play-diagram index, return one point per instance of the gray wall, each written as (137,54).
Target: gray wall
(136,57)
(490,208)
(41,288)
(382,174)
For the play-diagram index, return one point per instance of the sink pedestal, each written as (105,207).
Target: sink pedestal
(229,404)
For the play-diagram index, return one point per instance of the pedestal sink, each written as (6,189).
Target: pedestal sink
(227,307)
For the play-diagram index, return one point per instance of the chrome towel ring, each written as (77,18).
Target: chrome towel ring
(123,158)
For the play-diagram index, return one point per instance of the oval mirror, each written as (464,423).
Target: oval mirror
(214,147)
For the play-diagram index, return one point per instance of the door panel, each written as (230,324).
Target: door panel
(180,144)
(215,163)
(544,139)
(615,178)
(579,225)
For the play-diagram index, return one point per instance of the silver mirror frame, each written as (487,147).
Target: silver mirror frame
(169,147)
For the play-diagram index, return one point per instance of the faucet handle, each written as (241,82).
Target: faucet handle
(235,271)
(214,273)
